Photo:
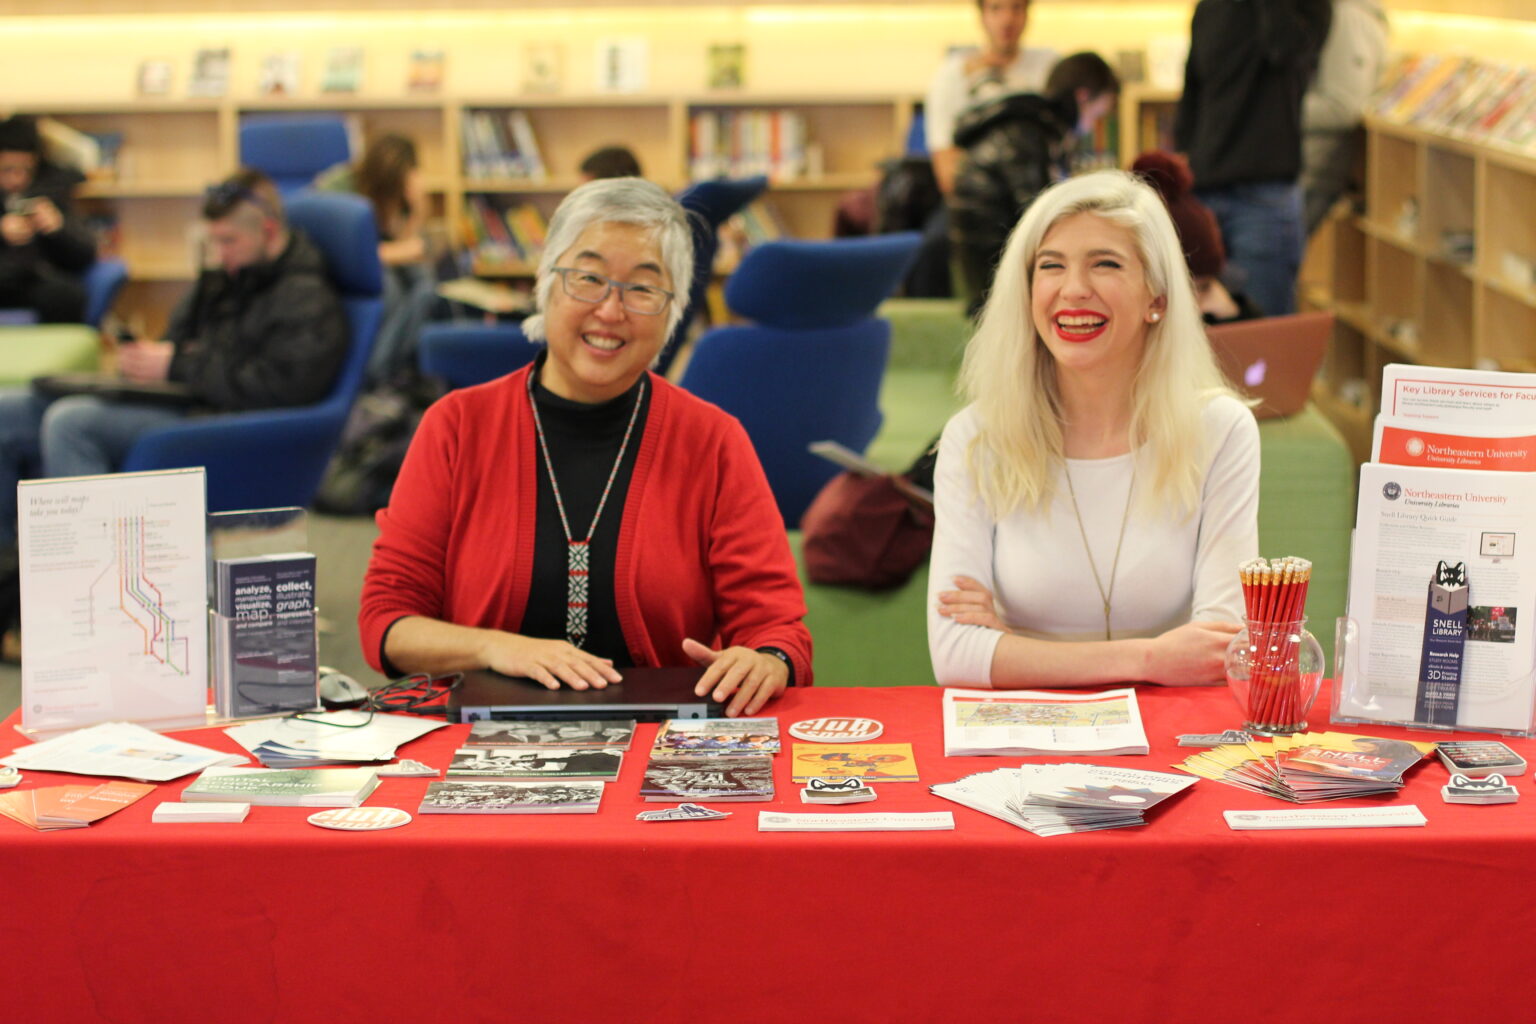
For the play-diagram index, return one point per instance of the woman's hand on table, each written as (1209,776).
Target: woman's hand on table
(551,662)
(971,605)
(1193,654)
(753,677)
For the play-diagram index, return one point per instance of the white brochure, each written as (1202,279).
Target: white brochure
(1409,519)
(776,821)
(1436,394)
(1408,815)
(114,600)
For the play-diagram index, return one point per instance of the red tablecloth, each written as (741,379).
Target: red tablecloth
(602,918)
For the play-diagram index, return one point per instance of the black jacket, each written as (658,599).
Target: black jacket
(1250,62)
(272,334)
(70,250)
(1011,147)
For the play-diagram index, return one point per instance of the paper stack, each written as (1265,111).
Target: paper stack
(56,807)
(119,749)
(1311,766)
(1025,723)
(336,737)
(315,787)
(169,812)
(460,796)
(1057,799)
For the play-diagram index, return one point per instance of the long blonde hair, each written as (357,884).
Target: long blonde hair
(1010,376)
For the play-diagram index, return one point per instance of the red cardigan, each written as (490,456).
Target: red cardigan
(702,550)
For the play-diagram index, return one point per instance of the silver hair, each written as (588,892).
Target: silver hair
(617,201)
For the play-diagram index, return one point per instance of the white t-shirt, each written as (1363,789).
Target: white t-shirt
(953,91)
(1173,569)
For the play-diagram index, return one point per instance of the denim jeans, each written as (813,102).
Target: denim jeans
(75,436)
(1261,226)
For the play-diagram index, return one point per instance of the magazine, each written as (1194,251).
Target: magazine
(285,787)
(1309,767)
(723,777)
(538,762)
(712,736)
(488,797)
(872,762)
(1023,723)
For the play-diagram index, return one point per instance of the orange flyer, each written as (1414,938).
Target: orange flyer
(1414,446)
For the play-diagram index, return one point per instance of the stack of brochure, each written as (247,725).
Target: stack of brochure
(1024,723)
(58,807)
(285,787)
(460,796)
(608,732)
(1452,479)
(544,750)
(336,737)
(707,759)
(1058,799)
(118,749)
(1311,766)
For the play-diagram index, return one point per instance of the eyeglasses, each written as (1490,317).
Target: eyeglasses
(589,286)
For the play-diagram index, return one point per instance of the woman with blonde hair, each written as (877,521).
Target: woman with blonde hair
(1095,497)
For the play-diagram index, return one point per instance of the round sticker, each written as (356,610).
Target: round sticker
(360,819)
(836,730)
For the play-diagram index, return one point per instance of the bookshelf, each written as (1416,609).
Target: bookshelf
(1401,280)
(1146,116)
(171,150)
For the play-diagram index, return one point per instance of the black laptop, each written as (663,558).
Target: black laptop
(646,695)
(114,388)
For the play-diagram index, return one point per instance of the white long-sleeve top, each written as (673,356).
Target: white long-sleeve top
(1173,568)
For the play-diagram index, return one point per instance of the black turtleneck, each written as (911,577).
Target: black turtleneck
(583,443)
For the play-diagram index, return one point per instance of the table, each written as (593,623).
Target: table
(602,918)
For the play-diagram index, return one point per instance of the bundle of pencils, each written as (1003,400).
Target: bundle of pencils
(1275,595)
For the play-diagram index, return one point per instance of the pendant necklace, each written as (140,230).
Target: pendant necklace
(1104,595)
(577,552)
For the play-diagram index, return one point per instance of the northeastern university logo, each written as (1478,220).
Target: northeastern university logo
(1392,491)
(1414,446)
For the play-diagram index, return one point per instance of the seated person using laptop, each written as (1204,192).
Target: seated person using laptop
(261,328)
(1093,501)
(582,515)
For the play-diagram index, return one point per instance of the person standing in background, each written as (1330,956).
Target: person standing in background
(1239,122)
(968,77)
(1347,72)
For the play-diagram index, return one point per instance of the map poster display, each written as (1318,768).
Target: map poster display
(114,600)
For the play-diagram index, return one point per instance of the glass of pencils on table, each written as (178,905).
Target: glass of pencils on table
(1274,666)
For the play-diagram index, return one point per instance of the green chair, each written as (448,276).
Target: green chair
(35,350)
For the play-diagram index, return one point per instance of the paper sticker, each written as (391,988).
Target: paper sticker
(360,819)
(9,777)
(834,785)
(1491,789)
(406,767)
(836,729)
(683,812)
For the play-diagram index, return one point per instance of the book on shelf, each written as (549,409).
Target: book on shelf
(285,787)
(483,796)
(154,77)
(738,143)
(722,777)
(1024,723)
(543,67)
(725,66)
(602,763)
(514,235)
(1464,97)
(71,147)
(425,73)
(694,737)
(210,73)
(343,69)
(279,74)
(611,733)
(500,144)
(265,637)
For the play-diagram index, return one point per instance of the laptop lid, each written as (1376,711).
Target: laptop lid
(646,695)
(1273,359)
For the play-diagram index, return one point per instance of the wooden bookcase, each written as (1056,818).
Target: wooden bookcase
(172,150)
(1399,284)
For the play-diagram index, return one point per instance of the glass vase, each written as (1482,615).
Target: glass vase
(1274,670)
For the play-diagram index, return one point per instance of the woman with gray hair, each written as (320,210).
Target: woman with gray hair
(583,515)
(1095,498)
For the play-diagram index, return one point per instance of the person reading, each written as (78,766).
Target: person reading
(1095,497)
(582,515)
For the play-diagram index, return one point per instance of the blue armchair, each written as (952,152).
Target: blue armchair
(810,368)
(102,283)
(276,457)
(711,204)
(292,149)
(465,355)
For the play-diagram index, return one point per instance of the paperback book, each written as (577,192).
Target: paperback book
(285,787)
(538,762)
(210,72)
(1025,723)
(279,74)
(495,797)
(608,732)
(723,777)
(872,762)
(711,736)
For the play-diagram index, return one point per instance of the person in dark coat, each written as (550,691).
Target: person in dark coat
(1012,147)
(44,248)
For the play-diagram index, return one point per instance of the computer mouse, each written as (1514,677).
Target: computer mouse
(339,690)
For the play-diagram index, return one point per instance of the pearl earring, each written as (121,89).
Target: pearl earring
(1156,317)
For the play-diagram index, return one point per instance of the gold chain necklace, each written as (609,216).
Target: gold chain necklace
(1107,596)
